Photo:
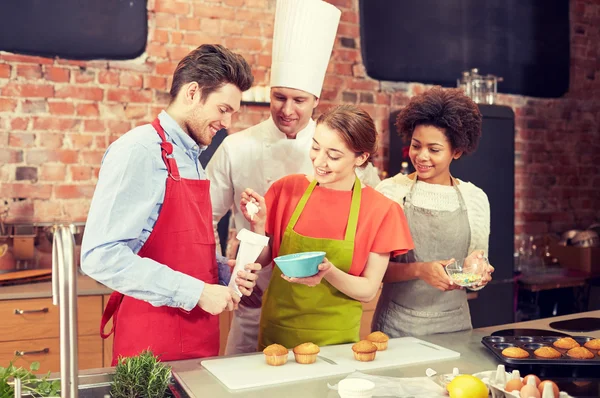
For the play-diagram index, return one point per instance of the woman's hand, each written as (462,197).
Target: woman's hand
(314,280)
(249,196)
(434,274)
(484,268)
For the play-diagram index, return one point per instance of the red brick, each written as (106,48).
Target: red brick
(210,25)
(85,93)
(192,24)
(40,156)
(157,50)
(25,58)
(120,126)
(172,7)
(156,82)
(70,191)
(168,21)
(263,4)
(77,210)
(5,71)
(242,43)
(19,123)
(160,36)
(108,77)
(35,106)
(176,38)
(57,74)
(27,190)
(130,80)
(94,126)
(217,12)
(343,69)
(232,28)
(81,141)
(100,141)
(10,155)
(53,172)
(54,124)
(15,89)
(129,95)
(30,72)
(136,112)
(234,3)
(8,104)
(87,109)
(47,210)
(71,62)
(80,173)
(61,108)
(349,16)
(51,140)
(176,53)
(252,15)
(346,55)
(166,68)
(197,39)
(92,157)
(84,75)
(252,30)
(21,211)
(264,60)
(21,140)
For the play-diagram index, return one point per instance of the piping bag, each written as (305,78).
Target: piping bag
(251,245)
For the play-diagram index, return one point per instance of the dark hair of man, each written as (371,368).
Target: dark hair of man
(448,109)
(212,66)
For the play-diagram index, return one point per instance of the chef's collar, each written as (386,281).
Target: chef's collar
(306,133)
(179,137)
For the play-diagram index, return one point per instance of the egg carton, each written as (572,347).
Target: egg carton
(496,380)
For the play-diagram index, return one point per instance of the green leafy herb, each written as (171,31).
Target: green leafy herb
(141,376)
(37,387)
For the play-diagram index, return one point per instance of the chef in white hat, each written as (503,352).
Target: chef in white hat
(304,33)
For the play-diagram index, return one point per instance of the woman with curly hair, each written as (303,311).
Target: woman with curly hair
(448,218)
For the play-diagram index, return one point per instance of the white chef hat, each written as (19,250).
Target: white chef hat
(303,38)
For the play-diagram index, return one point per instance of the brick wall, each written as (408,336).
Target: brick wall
(58,116)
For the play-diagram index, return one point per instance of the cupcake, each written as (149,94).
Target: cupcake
(593,344)
(380,340)
(565,343)
(276,355)
(580,353)
(515,352)
(364,351)
(306,353)
(547,352)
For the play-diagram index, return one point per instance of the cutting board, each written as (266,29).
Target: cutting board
(252,371)
(401,351)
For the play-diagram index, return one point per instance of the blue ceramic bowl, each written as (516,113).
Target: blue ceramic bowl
(300,265)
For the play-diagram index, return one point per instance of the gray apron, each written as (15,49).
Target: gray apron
(415,308)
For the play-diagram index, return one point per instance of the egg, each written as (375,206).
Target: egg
(513,385)
(529,392)
(554,387)
(537,379)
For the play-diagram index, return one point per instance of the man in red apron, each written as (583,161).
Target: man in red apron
(149,231)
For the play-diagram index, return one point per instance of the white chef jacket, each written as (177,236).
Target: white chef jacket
(256,158)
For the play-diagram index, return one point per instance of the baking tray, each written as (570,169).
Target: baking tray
(531,343)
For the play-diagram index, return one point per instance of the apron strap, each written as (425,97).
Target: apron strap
(352,217)
(111,310)
(166,152)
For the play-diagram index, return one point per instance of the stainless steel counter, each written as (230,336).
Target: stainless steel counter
(474,358)
(86,286)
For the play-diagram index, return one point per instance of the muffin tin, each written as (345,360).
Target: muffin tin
(531,343)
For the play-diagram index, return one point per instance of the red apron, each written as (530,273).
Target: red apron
(183,240)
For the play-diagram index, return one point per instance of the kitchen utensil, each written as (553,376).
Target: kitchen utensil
(400,351)
(249,371)
(531,343)
(466,273)
(528,332)
(300,265)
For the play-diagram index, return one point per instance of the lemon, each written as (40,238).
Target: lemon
(467,386)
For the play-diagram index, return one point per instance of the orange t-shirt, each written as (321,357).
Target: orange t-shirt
(382,226)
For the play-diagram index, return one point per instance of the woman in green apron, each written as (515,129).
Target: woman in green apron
(331,211)
(448,218)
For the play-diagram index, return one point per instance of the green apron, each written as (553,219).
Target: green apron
(293,313)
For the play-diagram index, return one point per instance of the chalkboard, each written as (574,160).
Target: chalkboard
(74,29)
(433,41)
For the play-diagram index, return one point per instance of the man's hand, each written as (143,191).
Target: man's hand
(434,274)
(216,299)
(246,280)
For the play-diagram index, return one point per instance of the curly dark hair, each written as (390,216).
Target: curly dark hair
(448,109)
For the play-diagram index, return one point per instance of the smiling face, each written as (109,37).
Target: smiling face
(431,154)
(333,161)
(291,109)
(205,118)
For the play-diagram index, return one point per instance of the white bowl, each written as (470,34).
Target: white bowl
(356,388)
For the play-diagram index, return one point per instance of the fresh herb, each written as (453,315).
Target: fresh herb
(141,376)
(37,387)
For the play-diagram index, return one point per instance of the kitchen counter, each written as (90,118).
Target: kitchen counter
(86,286)
(474,358)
